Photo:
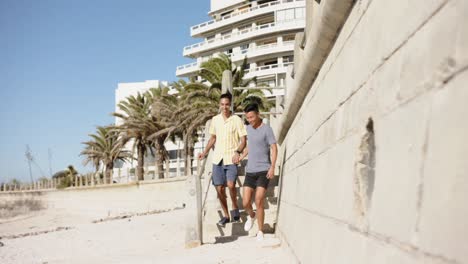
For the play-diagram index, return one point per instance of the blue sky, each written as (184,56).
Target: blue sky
(60,62)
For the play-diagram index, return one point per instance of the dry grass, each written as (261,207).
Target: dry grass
(18,207)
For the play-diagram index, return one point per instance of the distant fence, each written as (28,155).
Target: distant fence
(176,169)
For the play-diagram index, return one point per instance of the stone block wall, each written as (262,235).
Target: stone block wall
(375,163)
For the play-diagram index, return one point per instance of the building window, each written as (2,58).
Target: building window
(287,59)
(226,34)
(288,38)
(264,2)
(300,12)
(210,38)
(270,62)
(172,154)
(267,83)
(290,14)
(244,48)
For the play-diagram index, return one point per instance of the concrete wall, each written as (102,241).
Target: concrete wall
(103,201)
(394,189)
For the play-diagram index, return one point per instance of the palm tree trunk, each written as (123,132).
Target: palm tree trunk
(141,161)
(190,149)
(159,145)
(109,168)
(186,153)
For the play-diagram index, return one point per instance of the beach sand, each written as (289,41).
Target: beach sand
(54,237)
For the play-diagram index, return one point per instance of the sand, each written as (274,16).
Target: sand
(54,237)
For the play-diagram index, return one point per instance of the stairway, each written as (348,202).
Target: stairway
(212,213)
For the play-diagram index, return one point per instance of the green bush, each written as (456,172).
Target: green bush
(64,183)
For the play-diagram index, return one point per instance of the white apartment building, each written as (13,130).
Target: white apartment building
(125,171)
(262,30)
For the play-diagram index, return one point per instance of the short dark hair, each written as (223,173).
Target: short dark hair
(226,95)
(251,107)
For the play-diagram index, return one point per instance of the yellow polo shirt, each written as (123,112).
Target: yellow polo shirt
(228,133)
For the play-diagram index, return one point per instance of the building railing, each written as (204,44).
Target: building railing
(240,32)
(248,10)
(196,65)
(267,67)
(188,65)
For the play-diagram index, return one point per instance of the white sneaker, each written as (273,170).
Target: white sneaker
(260,236)
(249,223)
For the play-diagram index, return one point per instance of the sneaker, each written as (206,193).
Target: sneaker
(223,221)
(249,223)
(235,215)
(260,236)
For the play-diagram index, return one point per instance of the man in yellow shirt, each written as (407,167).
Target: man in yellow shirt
(228,135)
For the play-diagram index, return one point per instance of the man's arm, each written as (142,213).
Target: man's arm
(210,144)
(273,156)
(240,148)
(244,153)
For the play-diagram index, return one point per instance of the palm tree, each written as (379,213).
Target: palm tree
(212,71)
(177,119)
(105,147)
(206,95)
(136,125)
(163,104)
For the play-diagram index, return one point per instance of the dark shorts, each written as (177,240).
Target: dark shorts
(223,173)
(256,179)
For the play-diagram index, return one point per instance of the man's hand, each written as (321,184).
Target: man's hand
(201,156)
(271,173)
(235,158)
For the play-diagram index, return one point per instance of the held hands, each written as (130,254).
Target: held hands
(201,156)
(236,158)
(271,173)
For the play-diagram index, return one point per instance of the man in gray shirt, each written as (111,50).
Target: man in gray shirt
(262,151)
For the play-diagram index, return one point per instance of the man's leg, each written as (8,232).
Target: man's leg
(233,193)
(247,200)
(221,190)
(259,202)
(219,181)
(231,176)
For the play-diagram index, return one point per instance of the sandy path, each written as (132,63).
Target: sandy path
(157,238)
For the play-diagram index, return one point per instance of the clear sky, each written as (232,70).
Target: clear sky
(61,60)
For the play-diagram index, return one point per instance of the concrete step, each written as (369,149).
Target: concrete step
(212,233)
(212,213)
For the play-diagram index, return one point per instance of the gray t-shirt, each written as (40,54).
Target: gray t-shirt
(259,141)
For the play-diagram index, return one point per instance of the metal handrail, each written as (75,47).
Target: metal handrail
(200,171)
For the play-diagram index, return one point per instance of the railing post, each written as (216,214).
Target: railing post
(168,168)
(178,166)
(194,232)
(226,85)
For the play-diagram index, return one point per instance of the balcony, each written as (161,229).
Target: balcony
(245,34)
(198,30)
(188,69)
(267,70)
(263,50)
